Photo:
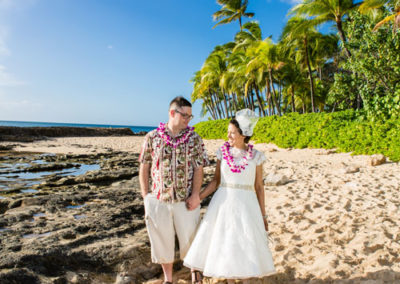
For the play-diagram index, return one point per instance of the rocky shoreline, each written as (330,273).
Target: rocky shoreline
(75,229)
(29,134)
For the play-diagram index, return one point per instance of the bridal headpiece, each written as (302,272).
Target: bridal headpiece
(247,119)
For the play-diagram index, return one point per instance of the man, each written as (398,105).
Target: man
(174,155)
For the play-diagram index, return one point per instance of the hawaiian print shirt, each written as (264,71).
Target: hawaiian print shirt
(172,168)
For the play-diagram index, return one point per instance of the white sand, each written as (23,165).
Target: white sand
(326,223)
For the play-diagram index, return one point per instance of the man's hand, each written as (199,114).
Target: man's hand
(193,201)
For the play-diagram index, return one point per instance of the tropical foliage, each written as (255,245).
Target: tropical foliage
(356,67)
(342,130)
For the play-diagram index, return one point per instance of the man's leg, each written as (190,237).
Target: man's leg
(160,227)
(167,269)
(186,223)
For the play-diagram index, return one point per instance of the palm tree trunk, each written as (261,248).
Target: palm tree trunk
(342,35)
(235,102)
(252,100)
(280,99)
(261,107)
(209,111)
(216,101)
(271,107)
(274,93)
(226,104)
(293,104)
(209,106)
(214,105)
(310,75)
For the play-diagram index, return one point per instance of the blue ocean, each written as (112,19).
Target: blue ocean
(135,129)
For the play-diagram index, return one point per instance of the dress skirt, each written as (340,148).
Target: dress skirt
(231,241)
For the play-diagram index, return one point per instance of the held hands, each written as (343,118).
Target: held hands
(193,202)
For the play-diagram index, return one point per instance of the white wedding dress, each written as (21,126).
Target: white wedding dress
(231,241)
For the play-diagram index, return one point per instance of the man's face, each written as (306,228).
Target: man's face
(182,116)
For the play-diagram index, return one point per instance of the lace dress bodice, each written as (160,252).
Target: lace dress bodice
(247,176)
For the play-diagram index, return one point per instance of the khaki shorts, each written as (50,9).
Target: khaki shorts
(163,220)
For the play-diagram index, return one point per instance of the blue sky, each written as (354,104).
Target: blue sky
(110,61)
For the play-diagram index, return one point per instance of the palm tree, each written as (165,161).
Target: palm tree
(324,11)
(250,34)
(231,10)
(369,5)
(291,77)
(264,61)
(297,36)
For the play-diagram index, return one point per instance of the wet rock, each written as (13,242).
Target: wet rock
(18,276)
(123,278)
(7,147)
(15,204)
(4,205)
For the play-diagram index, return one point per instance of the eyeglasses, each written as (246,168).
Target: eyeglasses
(184,115)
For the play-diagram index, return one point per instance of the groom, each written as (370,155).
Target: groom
(174,156)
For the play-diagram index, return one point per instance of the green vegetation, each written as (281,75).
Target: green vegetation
(345,130)
(339,90)
(356,67)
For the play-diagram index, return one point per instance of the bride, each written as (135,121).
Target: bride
(231,242)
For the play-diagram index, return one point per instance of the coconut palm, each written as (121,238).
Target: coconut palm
(231,10)
(369,5)
(324,11)
(298,35)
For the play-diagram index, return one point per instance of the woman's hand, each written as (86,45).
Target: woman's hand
(265,224)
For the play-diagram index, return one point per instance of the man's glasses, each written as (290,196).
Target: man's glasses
(185,115)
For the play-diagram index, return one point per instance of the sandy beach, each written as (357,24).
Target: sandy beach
(334,218)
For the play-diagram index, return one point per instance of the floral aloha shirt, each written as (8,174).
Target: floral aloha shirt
(172,168)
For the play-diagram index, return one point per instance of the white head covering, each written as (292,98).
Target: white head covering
(247,119)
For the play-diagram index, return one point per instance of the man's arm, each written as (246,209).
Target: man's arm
(144,178)
(194,199)
(213,185)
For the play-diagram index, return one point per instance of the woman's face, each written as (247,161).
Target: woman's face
(234,136)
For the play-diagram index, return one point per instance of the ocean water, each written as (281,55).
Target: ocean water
(135,129)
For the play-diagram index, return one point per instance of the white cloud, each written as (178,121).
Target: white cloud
(16,108)
(7,79)
(292,2)
(110,46)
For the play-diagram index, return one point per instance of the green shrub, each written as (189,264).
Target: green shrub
(346,131)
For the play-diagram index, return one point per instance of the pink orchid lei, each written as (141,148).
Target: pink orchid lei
(168,140)
(226,152)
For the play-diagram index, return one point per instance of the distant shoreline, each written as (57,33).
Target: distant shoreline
(134,128)
(30,134)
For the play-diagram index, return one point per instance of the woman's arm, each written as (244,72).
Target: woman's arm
(259,186)
(213,185)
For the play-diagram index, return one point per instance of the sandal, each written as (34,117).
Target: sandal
(197,277)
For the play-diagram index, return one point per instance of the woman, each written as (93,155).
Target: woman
(231,242)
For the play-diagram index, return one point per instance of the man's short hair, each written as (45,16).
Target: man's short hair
(179,102)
